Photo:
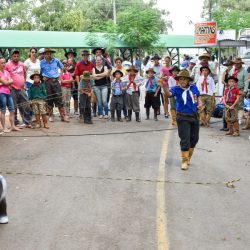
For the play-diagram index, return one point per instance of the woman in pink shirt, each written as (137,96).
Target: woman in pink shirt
(5,98)
(165,74)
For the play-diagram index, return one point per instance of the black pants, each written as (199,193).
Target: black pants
(3,208)
(188,130)
(85,106)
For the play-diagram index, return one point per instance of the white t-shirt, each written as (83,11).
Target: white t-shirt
(31,68)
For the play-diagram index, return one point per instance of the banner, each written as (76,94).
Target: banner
(205,33)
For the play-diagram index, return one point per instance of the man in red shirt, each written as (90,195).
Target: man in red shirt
(231,98)
(17,73)
(83,65)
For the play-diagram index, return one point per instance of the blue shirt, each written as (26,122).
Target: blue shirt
(51,69)
(117,87)
(153,87)
(190,107)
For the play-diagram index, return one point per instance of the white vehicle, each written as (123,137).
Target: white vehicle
(244,52)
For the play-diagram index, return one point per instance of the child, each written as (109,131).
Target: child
(172,82)
(152,94)
(206,86)
(6,98)
(230,99)
(38,98)
(3,205)
(85,90)
(117,96)
(133,83)
(66,83)
(187,101)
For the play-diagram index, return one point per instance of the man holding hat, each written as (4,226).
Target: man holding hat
(17,73)
(50,68)
(239,72)
(206,86)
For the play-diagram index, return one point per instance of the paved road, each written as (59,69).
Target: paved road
(73,188)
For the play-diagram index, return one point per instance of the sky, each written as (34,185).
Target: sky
(181,12)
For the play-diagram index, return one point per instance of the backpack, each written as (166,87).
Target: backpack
(218,110)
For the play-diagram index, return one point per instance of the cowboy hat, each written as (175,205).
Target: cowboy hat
(85,52)
(228,63)
(205,67)
(155,57)
(174,68)
(86,75)
(36,73)
(150,70)
(101,49)
(237,60)
(49,50)
(205,55)
(132,68)
(183,73)
(231,78)
(72,52)
(117,71)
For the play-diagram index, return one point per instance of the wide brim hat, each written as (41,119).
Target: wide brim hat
(49,50)
(86,75)
(95,49)
(237,61)
(150,70)
(205,55)
(205,67)
(132,68)
(183,73)
(71,51)
(174,68)
(232,78)
(117,71)
(228,63)
(155,57)
(36,73)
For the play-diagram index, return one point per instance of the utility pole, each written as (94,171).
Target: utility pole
(210,10)
(114,11)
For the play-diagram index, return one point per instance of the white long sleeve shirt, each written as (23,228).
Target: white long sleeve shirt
(210,85)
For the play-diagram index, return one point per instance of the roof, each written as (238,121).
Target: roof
(59,39)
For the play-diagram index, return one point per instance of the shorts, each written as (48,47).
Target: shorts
(6,100)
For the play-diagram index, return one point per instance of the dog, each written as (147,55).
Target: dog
(3,204)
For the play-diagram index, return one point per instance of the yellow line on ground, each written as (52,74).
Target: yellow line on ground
(162,233)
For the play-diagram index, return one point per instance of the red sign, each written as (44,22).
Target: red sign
(205,33)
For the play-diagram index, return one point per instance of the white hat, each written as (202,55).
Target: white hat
(41,51)
(193,61)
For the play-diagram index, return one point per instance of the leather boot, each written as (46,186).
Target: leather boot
(38,121)
(112,116)
(129,118)
(64,118)
(185,157)
(137,116)
(119,115)
(45,121)
(191,151)
(147,113)
(202,118)
(155,115)
(207,120)
(231,130)
(236,129)
(247,126)
(173,115)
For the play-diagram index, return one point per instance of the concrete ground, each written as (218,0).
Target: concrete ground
(118,186)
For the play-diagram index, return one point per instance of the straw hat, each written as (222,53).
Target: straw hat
(237,60)
(132,68)
(49,50)
(205,55)
(183,73)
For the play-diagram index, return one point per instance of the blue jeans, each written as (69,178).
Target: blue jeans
(27,86)
(6,100)
(101,93)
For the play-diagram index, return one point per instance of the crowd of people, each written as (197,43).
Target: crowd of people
(112,92)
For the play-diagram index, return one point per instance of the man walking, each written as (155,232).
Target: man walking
(50,67)
(17,73)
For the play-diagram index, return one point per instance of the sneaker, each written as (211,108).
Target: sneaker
(100,116)
(106,117)
(76,113)
(6,130)
(4,220)
(21,125)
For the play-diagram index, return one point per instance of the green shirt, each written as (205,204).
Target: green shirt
(38,92)
(242,77)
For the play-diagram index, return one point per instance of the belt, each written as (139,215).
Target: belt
(50,79)
(117,95)
(135,91)
(187,115)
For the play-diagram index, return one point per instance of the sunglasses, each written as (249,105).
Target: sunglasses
(33,52)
